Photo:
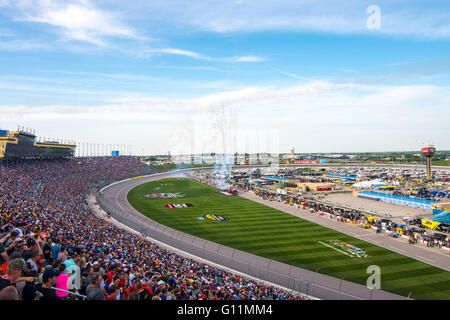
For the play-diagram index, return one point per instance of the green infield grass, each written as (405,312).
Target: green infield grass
(270,233)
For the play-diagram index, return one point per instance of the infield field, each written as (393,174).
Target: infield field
(273,234)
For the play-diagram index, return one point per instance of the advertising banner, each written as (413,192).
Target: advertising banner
(306,162)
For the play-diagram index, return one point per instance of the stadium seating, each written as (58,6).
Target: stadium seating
(50,239)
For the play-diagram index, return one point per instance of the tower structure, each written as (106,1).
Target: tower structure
(428,151)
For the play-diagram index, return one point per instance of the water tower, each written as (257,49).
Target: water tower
(428,151)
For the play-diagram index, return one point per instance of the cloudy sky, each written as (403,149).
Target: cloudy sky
(163,75)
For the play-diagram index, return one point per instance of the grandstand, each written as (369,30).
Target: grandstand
(48,232)
(441,212)
(24,145)
(395,199)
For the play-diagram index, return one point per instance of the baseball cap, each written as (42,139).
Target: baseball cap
(49,274)
(21,243)
(18,264)
(15,255)
(160,282)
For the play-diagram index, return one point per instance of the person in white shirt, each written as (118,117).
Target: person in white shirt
(35,255)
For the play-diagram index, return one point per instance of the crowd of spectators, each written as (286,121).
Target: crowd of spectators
(53,247)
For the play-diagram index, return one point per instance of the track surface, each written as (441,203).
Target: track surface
(114,200)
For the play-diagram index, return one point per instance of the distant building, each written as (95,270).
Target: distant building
(291,155)
(23,144)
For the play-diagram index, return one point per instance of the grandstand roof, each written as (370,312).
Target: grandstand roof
(402,200)
(341,176)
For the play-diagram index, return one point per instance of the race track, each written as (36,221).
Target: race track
(113,199)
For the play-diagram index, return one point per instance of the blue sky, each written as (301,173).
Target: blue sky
(149,73)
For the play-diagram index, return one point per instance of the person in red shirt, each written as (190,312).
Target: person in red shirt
(123,285)
(111,273)
(113,291)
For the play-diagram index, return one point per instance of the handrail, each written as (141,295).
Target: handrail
(69,292)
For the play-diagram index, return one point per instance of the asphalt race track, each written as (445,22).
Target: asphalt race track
(113,199)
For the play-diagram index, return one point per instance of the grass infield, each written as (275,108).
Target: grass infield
(270,233)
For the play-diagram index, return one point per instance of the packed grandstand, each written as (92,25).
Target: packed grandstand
(53,247)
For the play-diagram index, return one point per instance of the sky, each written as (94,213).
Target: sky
(212,76)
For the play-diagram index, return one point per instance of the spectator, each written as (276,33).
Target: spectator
(55,250)
(61,282)
(93,291)
(9,293)
(113,292)
(14,273)
(29,290)
(49,280)
(47,254)
(35,256)
(44,200)
(3,254)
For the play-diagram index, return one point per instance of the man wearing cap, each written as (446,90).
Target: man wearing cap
(17,246)
(49,278)
(14,273)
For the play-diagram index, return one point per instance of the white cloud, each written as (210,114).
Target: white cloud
(198,56)
(315,117)
(292,75)
(79,21)
(180,52)
(245,59)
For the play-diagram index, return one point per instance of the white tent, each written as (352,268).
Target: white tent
(367,184)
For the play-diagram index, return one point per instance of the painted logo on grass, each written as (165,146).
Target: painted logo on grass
(345,248)
(165,195)
(214,217)
(178,205)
